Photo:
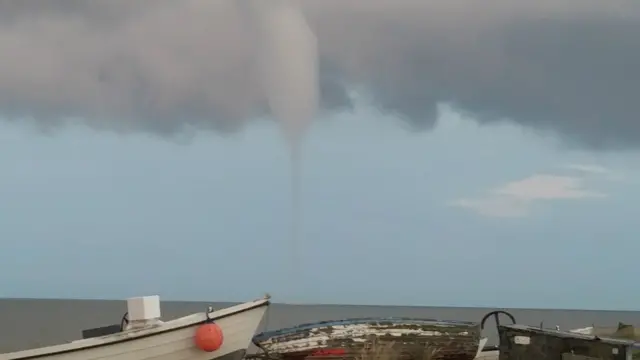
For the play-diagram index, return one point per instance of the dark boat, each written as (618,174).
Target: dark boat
(522,342)
(409,338)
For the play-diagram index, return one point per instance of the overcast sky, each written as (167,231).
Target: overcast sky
(450,155)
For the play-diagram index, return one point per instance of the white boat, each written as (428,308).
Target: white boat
(623,331)
(143,336)
(589,330)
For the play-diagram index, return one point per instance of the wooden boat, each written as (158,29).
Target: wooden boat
(142,335)
(349,338)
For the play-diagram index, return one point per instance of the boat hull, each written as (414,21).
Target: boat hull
(172,340)
(410,338)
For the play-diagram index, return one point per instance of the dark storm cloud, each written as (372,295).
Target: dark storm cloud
(155,65)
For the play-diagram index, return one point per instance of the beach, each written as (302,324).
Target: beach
(28,323)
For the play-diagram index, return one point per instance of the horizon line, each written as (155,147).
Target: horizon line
(321,304)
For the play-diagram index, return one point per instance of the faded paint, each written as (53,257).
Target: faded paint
(408,336)
(322,336)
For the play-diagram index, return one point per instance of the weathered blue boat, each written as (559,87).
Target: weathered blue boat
(409,338)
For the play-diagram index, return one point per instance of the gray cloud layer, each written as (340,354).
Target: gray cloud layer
(156,65)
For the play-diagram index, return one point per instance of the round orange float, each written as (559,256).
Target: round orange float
(209,337)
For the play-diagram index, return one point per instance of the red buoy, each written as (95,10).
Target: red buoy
(209,337)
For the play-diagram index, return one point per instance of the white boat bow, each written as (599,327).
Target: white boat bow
(148,338)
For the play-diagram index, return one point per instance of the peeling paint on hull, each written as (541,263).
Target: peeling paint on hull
(452,339)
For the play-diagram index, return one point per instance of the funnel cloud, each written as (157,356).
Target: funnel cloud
(287,57)
(164,67)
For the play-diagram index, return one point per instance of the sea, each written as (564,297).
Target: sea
(29,323)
